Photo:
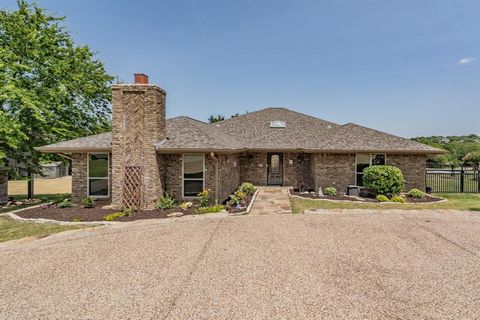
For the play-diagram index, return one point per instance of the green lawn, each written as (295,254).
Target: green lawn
(13,229)
(41,197)
(456,201)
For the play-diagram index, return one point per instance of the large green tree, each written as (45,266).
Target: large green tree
(50,88)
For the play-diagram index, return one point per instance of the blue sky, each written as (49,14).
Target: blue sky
(406,67)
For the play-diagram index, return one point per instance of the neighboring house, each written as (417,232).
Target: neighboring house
(146,154)
(55,169)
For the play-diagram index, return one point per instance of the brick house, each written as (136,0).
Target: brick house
(146,154)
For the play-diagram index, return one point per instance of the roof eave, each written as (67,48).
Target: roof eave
(72,149)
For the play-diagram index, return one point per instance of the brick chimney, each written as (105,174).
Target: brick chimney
(141,78)
(138,122)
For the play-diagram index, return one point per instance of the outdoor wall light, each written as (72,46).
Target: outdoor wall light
(250,157)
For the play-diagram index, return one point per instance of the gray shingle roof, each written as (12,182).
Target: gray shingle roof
(252,131)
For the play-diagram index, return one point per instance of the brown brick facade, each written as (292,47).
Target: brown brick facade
(413,168)
(138,123)
(316,170)
(333,170)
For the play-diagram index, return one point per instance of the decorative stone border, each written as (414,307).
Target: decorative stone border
(363,200)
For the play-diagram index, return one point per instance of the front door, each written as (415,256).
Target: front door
(275,169)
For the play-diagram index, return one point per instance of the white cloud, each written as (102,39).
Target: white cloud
(466,60)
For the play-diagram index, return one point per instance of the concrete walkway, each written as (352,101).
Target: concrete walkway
(271,200)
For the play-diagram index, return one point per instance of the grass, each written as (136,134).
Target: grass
(41,197)
(456,201)
(41,186)
(12,229)
(447,183)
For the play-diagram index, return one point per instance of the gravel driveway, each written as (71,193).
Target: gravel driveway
(390,264)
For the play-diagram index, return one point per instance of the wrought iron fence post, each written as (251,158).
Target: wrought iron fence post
(462,179)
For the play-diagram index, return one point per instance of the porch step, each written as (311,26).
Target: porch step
(271,200)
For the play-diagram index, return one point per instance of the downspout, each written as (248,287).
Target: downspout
(212,154)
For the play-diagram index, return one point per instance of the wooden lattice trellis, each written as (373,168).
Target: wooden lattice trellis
(132,189)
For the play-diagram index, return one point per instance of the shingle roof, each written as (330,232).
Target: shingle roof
(252,131)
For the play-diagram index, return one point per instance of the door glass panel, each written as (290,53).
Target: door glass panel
(363,161)
(275,164)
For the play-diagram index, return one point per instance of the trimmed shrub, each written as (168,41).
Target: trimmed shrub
(383,179)
(113,216)
(247,188)
(166,202)
(416,193)
(330,191)
(398,199)
(212,209)
(382,198)
(88,202)
(204,198)
(66,203)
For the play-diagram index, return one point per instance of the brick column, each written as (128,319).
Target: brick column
(138,122)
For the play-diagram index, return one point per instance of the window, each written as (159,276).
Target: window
(275,164)
(193,174)
(364,161)
(98,168)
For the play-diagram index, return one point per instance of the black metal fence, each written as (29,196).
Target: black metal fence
(446,180)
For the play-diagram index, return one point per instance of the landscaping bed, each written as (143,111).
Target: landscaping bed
(346,198)
(78,213)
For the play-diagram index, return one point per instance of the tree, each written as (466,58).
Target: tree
(473,158)
(50,88)
(215,118)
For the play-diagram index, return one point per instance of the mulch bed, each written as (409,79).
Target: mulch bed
(308,195)
(96,213)
(247,200)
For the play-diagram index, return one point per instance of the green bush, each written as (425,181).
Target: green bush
(204,198)
(416,193)
(166,202)
(76,219)
(330,191)
(247,188)
(212,209)
(398,199)
(66,203)
(113,216)
(127,212)
(382,198)
(88,202)
(240,194)
(383,179)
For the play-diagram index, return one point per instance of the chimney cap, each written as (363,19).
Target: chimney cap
(141,78)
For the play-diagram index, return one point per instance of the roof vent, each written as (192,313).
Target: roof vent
(277,124)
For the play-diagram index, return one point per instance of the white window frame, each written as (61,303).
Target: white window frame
(88,175)
(370,164)
(192,179)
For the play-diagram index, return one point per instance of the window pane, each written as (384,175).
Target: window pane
(360,179)
(98,187)
(275,164)
(378,159)
(363,161)
(98,165)
(191,188)
(193,166)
